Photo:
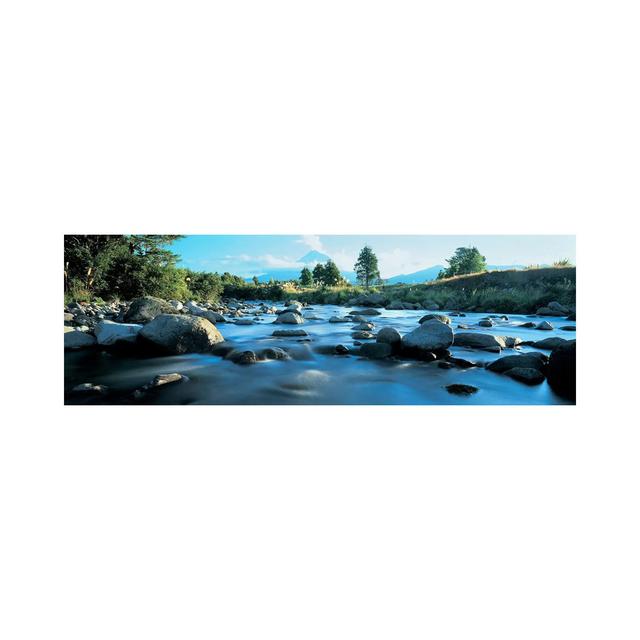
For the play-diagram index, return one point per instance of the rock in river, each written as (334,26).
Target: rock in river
(78,340)
(290,317)
(389,335)
(362,335)
(548,343)
(461,389)
(533,360)
(435,316)
(376,350)
(479,341)
(109,333)
(289,333)
(561,372)
(181,334)
(339,319)
(526,375)
(146,309)
(431,335)
(545,326)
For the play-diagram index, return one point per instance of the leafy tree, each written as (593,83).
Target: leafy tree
(306,278)
(331,274)
(366,267)
(203,286)
(318,273)
(464,260)
(256,282)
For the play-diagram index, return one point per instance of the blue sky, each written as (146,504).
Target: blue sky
(246,255)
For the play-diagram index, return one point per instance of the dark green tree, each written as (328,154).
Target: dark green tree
(256,282)
(306,278)
(464,260)
(318,274)
(331,274)
(366,267)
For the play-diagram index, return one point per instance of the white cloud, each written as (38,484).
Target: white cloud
(313,242)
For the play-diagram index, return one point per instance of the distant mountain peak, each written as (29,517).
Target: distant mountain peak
(313,256)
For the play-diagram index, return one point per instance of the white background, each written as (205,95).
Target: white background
(332,117)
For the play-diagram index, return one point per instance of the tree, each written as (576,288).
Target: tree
(331,275)
(256,282)
(318,274)
(464,260)
(306,279)
(366,266)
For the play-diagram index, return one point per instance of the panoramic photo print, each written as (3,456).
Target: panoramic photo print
(329,319)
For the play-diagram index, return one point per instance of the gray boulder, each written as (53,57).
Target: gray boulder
(461,389)
(363,326)
(109,333)
(526,375)
(362,335)
(273,353)
(78,339)
(290,318)
(544,326)
(389,335)
(289,333)
(212,316)
(547,311)
(549,343)
(536,361)
(181,334)
(479,341)
(365,312)
(486,323)
(431,335)
(146,309)
(339,319)
(435,316)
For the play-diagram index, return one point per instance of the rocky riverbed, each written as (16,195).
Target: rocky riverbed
(152,351)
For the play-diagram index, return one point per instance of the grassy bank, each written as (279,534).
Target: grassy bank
(500,291)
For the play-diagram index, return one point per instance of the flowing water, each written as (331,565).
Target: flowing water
(311,377)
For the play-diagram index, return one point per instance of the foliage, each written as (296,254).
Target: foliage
(565,262)
(464,260)
(203,286)
(306,278)
(366,266)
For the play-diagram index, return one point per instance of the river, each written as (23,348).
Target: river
(311,377)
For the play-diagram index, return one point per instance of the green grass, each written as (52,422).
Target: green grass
(499,291)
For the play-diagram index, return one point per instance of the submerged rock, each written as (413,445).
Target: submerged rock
(545,326)
(363,326)
(568,328)
(376,350)
(461,389)
(339,319)
(289,333)
(362,335)
(242,357)
(181,334)
(486,323)
(341,350)
(561,372)
(365,312)
(146,309)
(536,361)
(526,375)
(273,353)
(88,387)
(160,381)
(528,325)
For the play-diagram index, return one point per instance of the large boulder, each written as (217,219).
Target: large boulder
(548,311)
(181,334)
(525,374)
(528,361)
(212,316)
(78,339)
(561,372)
(109,333)
(368,300)
(146,309)
(431,335)
(389,335)
(548,343)
(435,316)
(545,326)
(289,317)
(479,340)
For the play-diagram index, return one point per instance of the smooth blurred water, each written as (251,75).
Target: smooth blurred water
(311,377)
